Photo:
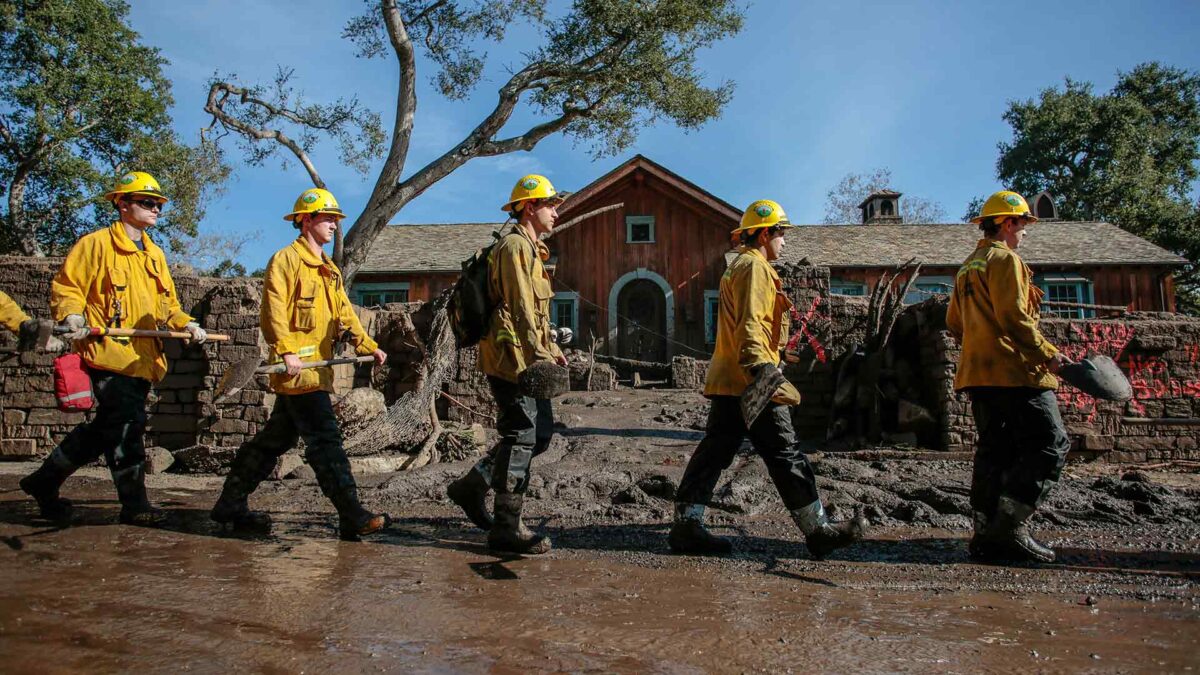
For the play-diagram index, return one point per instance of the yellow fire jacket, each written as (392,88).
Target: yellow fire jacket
(752,327)
(304,311)
(994,313)
(519,330)
(11,314)
(105,272)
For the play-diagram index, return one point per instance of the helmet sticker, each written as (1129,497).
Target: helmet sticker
(310,197)
(529,183)
(128,178)
(1013,200)
(763,210)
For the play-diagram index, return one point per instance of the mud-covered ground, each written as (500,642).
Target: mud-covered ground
(428,595)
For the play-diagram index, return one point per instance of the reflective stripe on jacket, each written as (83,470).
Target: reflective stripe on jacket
(304,310)
(11,314)
(752,327)
(519,330)
(112,283)
(994,313)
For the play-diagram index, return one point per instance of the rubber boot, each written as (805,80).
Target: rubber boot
(1011,536)
(337,483)
(509,534)
(44,483)
(237,514)
(981,546)
(824,537)
(135,506)
(470,493)
(689,536)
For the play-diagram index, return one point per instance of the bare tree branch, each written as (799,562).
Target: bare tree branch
(219,93)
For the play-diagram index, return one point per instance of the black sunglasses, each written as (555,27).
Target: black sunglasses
(149,204)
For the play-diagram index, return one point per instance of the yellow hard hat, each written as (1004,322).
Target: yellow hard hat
(762,213)
(532,186)
(136,183)
(315,200)
(1002,204)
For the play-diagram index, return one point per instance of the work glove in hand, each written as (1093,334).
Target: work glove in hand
(199,335)
(79,328)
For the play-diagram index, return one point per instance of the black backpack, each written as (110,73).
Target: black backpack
(471,304)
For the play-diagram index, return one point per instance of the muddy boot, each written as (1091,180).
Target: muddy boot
(688,535)
(135,506)
(1010,534)
(470,493)
(338,485)
(981,546)
(823,537)
(44,483)
(237,514)
(357,526)
(509,534)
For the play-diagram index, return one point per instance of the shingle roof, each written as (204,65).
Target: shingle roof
(1048,243)
(427,248)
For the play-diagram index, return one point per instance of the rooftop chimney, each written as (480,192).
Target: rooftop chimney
(881,207)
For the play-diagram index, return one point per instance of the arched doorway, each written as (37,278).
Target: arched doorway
(642,321)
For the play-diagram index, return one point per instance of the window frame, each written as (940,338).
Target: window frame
(1083,287)
(838,286)
(630,221)
(381,289)
(563,297)
(712,298)
(919,294)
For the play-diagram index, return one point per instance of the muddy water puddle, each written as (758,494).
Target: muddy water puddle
(101,597)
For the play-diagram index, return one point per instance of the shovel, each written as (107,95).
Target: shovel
(101,331)
(239,374)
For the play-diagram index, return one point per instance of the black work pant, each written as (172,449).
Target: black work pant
(294,416)
(526,426)
(773,438)
(118,429)
(1022,446)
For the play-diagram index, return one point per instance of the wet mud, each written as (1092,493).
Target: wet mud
(429,596)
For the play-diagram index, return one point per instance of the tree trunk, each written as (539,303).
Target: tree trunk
(26,236)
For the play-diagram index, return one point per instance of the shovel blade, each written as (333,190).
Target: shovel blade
(760,391)
(235,378)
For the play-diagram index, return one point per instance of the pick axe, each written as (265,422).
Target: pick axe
(239,373)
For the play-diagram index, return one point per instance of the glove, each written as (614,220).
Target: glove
(199,335)
(79,328)
(565,335)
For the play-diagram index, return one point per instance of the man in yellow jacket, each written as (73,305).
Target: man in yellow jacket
(518,335)
(115,277)
(304,311)
(752,329)
(1007,367)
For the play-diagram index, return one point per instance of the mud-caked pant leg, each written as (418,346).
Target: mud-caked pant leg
(774,438)
(117,432)
(544,433)
(516,422)
(722,437)
(256,458)
(312,415)
(1040,446)
(993,451)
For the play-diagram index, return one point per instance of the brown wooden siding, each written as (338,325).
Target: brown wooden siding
(422,287)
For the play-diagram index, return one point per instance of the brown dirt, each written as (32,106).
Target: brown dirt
(428,595)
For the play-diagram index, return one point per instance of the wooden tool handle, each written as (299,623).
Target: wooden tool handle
(98,331)
(276,368)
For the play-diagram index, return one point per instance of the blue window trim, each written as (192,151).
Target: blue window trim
(839,287)
(361,289)
(571,297)
(712,308)
(925,286)
(1085,291)
(630,221)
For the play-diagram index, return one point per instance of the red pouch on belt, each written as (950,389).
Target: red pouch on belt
(72,384)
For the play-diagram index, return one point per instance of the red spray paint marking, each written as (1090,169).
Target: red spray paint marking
(803,332)
(1109,339)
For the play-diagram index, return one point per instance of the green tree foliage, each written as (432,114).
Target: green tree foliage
(1130,157)
(81,102)
(598,71)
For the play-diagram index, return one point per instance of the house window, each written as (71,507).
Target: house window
(840,287)
(376,294)
(564,311)
(639,229)
(712,304)
(927,287)
(1066,288)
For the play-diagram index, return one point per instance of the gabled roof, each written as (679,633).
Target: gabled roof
(879,193)
(1058,243)
(662,173)
(426,248)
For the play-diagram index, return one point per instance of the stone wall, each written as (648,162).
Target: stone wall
(1159,352)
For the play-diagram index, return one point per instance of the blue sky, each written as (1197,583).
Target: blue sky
(822,89)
